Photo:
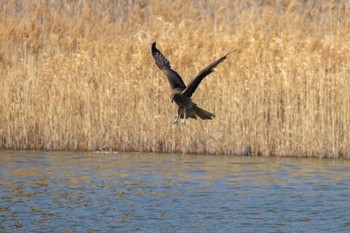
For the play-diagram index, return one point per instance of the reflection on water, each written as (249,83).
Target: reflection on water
(128,192)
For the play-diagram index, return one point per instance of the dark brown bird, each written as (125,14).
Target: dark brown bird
(182,94)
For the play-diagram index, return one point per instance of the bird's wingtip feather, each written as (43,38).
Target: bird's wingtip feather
(154,49)
(231,51)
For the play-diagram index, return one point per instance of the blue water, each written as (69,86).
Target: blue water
(128,192)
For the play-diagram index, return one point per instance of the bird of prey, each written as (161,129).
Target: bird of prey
(182,94)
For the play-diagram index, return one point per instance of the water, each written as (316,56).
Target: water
(128,192)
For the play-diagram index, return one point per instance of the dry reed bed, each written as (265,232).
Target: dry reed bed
(78,75)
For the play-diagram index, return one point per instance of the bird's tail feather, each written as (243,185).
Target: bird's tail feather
(197,111)
(205,115)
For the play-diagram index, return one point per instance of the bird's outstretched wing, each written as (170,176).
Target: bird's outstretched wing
(192,86)
(174,78)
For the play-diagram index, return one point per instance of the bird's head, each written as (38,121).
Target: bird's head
(172,97)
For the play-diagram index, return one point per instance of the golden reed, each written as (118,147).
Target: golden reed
(79,75)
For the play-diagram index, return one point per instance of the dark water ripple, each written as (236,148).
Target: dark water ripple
(71,192)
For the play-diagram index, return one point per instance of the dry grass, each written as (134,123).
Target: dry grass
(79,75)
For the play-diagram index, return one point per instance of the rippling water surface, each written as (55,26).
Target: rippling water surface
(128,192)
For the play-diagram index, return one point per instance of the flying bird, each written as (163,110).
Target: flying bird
(182,94)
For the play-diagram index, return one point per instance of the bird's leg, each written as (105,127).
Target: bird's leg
(184,122)
(176,121)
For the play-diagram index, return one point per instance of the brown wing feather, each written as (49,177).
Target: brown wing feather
(192,86)
(174,78)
